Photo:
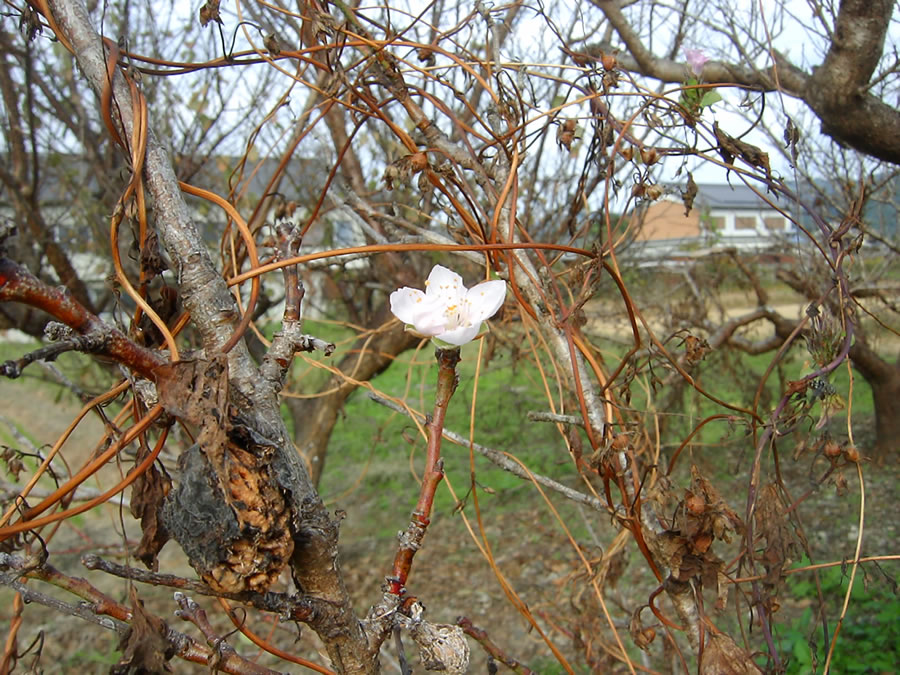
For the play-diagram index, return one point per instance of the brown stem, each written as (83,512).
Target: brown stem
(290,339)
(298,608)
(222,651)
(105,612)
(481,636)
(411,540)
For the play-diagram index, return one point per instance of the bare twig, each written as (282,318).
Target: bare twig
(95,336)
(106,613)
(80,610)
(501,460)
(481,636)
(222,651)
(296,608)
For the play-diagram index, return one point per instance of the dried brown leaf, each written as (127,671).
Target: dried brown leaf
(148,494)
(642,636)
(196,391)
(272,45)
(151,260)
(210,12)
(689,194)
(145,649)
(722,656)
(722,518)
(730,147)
(723,585)
(673,550)
(773,527)
(792,138)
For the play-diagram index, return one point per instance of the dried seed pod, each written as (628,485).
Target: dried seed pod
(649,156)
(609,62)
(831,449)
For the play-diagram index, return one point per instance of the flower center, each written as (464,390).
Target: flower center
(456,315)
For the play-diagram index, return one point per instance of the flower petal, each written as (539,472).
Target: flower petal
(462,335)
(696,58)
(485,299)
(405,302)
(430,318)
(446,285)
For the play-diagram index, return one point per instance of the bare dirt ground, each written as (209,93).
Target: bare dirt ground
(607,319)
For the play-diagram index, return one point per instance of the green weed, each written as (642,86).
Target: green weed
(869,641)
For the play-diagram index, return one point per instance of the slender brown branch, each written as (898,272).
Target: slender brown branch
(501,460)
(222,651)
(297,608)
(80,610)
(480,635)
(411,540)
(101,610)
(290,339)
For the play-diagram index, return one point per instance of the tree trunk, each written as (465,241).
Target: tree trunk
(256,430)
(884,378)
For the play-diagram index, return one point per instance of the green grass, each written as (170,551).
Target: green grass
(371,438)
(869,641)
(371,445)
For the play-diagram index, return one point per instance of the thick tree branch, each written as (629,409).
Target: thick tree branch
(203,290)
(639,59)
(94,336)
(837,90)
(314,564)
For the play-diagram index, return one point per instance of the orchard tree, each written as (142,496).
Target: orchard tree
(842,76)
(500,141)
(844,80)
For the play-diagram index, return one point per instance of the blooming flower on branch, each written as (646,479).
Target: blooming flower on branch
(447,310)
(696,60)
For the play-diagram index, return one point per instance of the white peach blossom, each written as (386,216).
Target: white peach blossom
(447,310)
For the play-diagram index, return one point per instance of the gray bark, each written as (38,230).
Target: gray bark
(315,564)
